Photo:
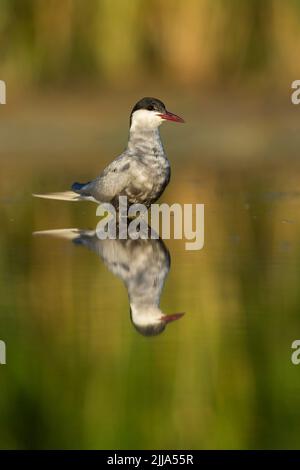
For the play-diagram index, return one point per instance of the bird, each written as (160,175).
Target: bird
(142,265)
(141,172)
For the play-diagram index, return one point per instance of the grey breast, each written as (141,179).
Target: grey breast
(141,173)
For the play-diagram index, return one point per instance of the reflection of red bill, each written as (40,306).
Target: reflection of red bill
(171,317)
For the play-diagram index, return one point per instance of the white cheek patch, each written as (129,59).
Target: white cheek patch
(146,119)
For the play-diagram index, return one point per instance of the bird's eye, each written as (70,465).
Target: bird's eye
(150,107)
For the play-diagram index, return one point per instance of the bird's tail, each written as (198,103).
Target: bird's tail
(66,233)
(63,196)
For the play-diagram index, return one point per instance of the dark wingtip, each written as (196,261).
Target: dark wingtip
(77,186)
(77,241)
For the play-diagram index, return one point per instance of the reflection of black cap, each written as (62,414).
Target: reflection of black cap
(150,330)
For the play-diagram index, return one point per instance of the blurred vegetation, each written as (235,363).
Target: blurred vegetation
(217,43)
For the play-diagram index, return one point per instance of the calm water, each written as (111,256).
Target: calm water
(81,371)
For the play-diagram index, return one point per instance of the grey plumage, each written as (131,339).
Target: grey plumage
(141,172)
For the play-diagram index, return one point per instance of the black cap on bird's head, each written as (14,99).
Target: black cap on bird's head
(151,104)
(157,112)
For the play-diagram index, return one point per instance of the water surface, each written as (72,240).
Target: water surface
(79,374)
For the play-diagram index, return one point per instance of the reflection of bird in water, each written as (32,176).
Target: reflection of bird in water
(141,172)
(141,264)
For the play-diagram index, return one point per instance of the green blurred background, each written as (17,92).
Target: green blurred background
(118,43)
(78,375)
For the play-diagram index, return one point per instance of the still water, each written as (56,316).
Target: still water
(99,354)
